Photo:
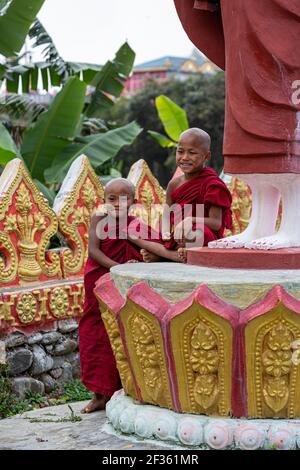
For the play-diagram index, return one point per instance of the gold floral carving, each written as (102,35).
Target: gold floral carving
(202,350)
(204,359)
(149,194)
(112,329)
(277,366)
(26,308)
(148,357)
(31,216)
(75,215)
(59,302)
(273,380)
(144,345)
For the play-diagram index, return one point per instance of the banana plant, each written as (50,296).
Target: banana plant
(173,119)
(16,17)
(53,143)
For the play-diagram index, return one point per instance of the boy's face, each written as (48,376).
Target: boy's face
(190,155)
(120,197)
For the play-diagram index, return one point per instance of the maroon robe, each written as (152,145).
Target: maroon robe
(98,366)
(207,189)
(256,43)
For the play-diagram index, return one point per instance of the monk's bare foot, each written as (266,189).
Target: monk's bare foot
(182,253)
(96,404)
(149,257)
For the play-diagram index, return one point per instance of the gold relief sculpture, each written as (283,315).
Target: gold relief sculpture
(149,194)
(204,359)
(86,195)
(8,258)
(59,302)
(145,347)
(77,296)
(273,380)
(112,329)
(202,350)
(6,305)
(148,357)
(241,205)
(26,308)
(32,222)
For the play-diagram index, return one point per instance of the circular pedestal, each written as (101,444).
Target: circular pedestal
(206,341)
(199,432)
(174,282)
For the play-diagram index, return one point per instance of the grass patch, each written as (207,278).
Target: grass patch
(71,418)
(11,405)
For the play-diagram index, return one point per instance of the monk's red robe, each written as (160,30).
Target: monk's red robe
(255,41)
(207,189)
(98,366)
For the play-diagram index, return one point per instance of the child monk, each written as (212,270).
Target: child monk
(197,185)
(98,367)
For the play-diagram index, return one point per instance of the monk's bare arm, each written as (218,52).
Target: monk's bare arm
(213,221)
(156,248)
(93,248)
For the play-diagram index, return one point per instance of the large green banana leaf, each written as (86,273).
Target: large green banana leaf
(110,80)
(17,17)
(172,116)
(99,148)
(8,149)
(54,129)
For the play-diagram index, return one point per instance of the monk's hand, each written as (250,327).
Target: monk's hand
(132,261)
(183,228)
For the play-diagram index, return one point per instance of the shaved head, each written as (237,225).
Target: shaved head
(120,184)
(202,137)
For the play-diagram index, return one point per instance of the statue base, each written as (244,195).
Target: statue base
(131,418)
(242,258)
(206,341)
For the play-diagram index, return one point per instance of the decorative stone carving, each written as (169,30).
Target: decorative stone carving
(149,194)
(273,378)
(80,194)
(26,225)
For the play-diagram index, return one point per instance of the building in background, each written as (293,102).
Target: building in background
(165,68)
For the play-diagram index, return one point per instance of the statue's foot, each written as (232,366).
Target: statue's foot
(274,242)
(235,241)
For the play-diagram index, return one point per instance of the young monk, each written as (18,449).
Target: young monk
(197,185)
(98,367)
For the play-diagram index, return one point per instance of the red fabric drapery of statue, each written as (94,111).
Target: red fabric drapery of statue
(98,366)
(256,42)
(207,189)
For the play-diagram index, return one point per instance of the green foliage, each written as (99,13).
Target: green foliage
(72,418)
(15,23)
(8,149)
(172,116)
(109,81)
(98,147)
(10,405)
(54,129)
(74,390)
(202,97)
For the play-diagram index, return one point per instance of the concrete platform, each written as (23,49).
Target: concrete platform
(19,433)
